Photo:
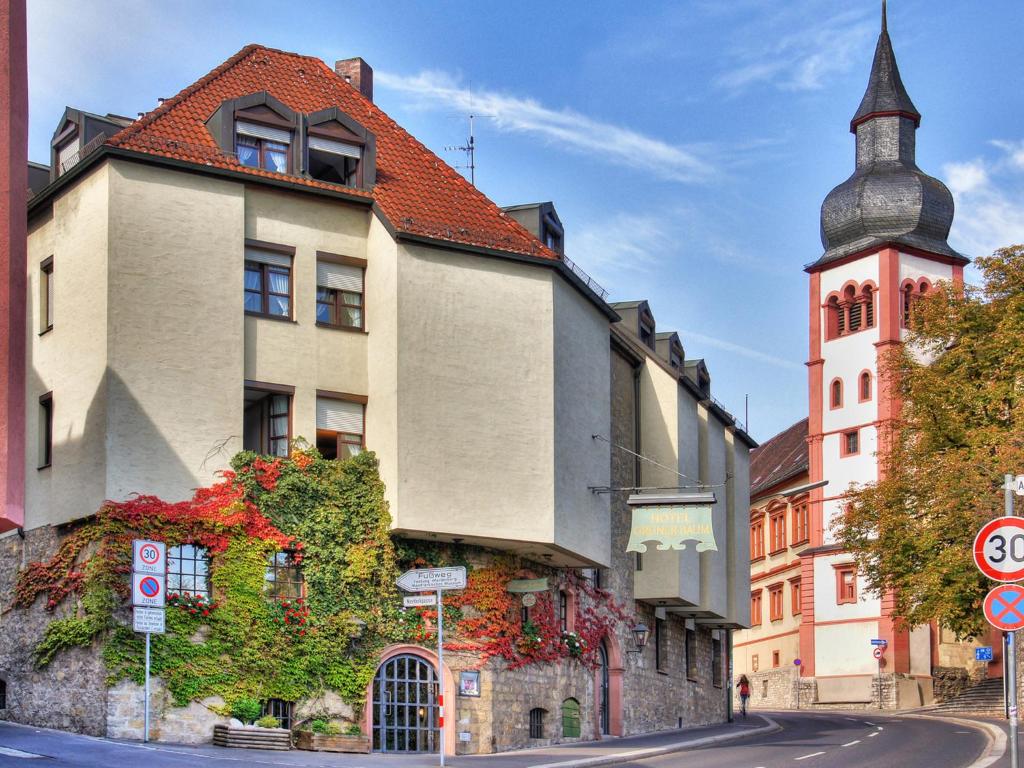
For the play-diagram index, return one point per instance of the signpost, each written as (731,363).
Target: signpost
(983,653)
(434,580)
(878,651)
(419,601)
(149,595)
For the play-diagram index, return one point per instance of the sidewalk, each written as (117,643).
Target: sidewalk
(576,755)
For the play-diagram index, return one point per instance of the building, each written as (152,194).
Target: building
(884,233)
(267,256)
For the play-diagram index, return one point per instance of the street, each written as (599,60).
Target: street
(846,739)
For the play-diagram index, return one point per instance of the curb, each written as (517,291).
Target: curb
(679,746)
(995,735)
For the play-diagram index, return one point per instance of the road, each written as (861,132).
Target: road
(807,740)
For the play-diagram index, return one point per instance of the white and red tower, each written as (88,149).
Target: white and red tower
(884,233)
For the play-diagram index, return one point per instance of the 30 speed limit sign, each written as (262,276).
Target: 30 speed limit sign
(999,549)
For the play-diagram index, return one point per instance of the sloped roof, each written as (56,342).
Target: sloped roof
(780,458)
(416,191)
(885,93)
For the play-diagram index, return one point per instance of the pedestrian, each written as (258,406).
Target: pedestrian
(744,686)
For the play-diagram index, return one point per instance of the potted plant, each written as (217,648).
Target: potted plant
(250,731)
(322,735)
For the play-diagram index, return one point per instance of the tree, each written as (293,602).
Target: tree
(960,379)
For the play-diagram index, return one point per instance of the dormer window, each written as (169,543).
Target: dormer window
(260,146)
(334,161)
(67,155)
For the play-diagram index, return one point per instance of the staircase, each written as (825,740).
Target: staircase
(982,700)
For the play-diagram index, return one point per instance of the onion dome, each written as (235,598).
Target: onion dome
(888,199)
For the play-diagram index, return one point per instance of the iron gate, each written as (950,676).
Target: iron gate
(405,710)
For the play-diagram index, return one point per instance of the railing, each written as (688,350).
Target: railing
(590,282)
(81,154)
(721,405)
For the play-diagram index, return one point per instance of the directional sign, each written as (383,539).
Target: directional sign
(879,641)
(878,652)
(1004,607)
(149,556)
(148,620)
(148,590)
(432,579)
(999,549)
(419,601)
(984,653)
(1018,485)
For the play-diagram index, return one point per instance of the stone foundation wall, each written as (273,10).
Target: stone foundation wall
(69,693)
(783,689)
(950,682)
(776,689)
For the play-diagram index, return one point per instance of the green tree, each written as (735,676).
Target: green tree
(960,378)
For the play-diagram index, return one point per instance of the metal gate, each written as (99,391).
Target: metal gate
(405,708)
(603,692)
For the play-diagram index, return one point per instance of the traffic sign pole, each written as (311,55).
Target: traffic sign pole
(1011,645)
(440,666)
(145,716)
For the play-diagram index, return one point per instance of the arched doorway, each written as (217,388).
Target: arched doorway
(404,704)
(603,690)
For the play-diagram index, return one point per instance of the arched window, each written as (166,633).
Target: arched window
(833,318)
(836,397)
(908,297)
(869,307)
(923,287)
(537,723)
(570,719)
(865,386)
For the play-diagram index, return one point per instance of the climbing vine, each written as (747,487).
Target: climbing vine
(331,516)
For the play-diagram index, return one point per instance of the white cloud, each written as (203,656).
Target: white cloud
(567,127)
(989,196)
(739,349)
(802,58)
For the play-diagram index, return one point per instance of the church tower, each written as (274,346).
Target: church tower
(884,233)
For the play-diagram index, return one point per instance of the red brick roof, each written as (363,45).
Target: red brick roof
(416,191)
(778,459)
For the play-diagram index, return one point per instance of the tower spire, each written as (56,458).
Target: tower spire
(885,25)
(885,94)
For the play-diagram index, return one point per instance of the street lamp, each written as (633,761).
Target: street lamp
(640,634)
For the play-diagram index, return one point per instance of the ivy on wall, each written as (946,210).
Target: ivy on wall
(332,515)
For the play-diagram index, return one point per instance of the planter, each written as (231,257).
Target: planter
(321,742)
(252,738)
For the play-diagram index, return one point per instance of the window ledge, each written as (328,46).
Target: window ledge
(757,559)
(275,318)
(41,467)
(778,551)
(798,543)
(691,679)
(347,328)
(661,672)
(46,331)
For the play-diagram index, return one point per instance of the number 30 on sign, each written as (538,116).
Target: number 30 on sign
(999,549)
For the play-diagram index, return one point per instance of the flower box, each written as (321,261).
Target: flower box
(322,742)
(252,738)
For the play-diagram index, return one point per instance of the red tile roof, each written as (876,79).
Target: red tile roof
(781,458)
(416,191)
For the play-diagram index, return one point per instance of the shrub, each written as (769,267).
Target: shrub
(333,729)
(353,730)
(246,709)
(268,721)
(319,726)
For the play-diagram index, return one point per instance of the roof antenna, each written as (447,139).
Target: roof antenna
(470,149)
(885,26)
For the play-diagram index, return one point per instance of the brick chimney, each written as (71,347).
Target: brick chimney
(358,74)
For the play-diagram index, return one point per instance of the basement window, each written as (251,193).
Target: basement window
(336,162)
(280,709)
(537,723)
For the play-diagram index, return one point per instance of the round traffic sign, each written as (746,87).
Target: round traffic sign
(999,549)
(877,653)
(797,662)
(149,586)
(149,554)
(1004,607)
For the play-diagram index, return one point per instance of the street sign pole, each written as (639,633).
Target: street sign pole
(1011,647)
(440,667)
(145,717)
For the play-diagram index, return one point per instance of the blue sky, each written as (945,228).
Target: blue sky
(687,146)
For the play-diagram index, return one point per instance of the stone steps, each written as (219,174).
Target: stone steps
(984,699)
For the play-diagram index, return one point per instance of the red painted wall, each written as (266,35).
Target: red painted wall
(13,225)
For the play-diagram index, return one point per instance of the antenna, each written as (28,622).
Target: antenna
(470,149)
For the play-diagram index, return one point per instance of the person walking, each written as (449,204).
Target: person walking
(744,686)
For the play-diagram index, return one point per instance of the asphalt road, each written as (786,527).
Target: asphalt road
(818,740)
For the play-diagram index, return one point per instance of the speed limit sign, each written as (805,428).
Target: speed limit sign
(999,549)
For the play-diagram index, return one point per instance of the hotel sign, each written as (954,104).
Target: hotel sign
(672,521)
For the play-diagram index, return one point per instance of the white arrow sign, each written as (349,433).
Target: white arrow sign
(420,601)
(1018,485)
(433,579)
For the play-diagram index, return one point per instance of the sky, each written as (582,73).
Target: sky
(687,146)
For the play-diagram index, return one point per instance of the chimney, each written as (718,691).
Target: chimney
(358,74)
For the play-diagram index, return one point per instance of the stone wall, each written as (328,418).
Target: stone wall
(69,693)
(182,725)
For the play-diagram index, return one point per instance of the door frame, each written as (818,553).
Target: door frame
(615,672)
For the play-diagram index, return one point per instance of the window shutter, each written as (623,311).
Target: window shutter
(264,132)
(334,147)
(268,257)
(339,415)
(340,277)
(67,156)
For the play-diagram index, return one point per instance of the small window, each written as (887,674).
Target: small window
(777,529)
(339,295)
(268,283)
(865,386)
(267,422)
(775,660)
(570,719)
(851,443)
(260,146)
(339,428)
(869,307)
(647,334)
(801,522)
(46,294)
(524,615)
(908,299)
(757,538)
(775,602)
(3,694)
(336,162)
(856,315)
(716,660)
(846,584)
(755,608)
(537,723)
(691,654)
(67,155)
(45,430)
(281,709)
(283,578)
(794,597)
(753,662)
(659,644)
(836,399)
(563,610)
(639,564)
(188,570)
